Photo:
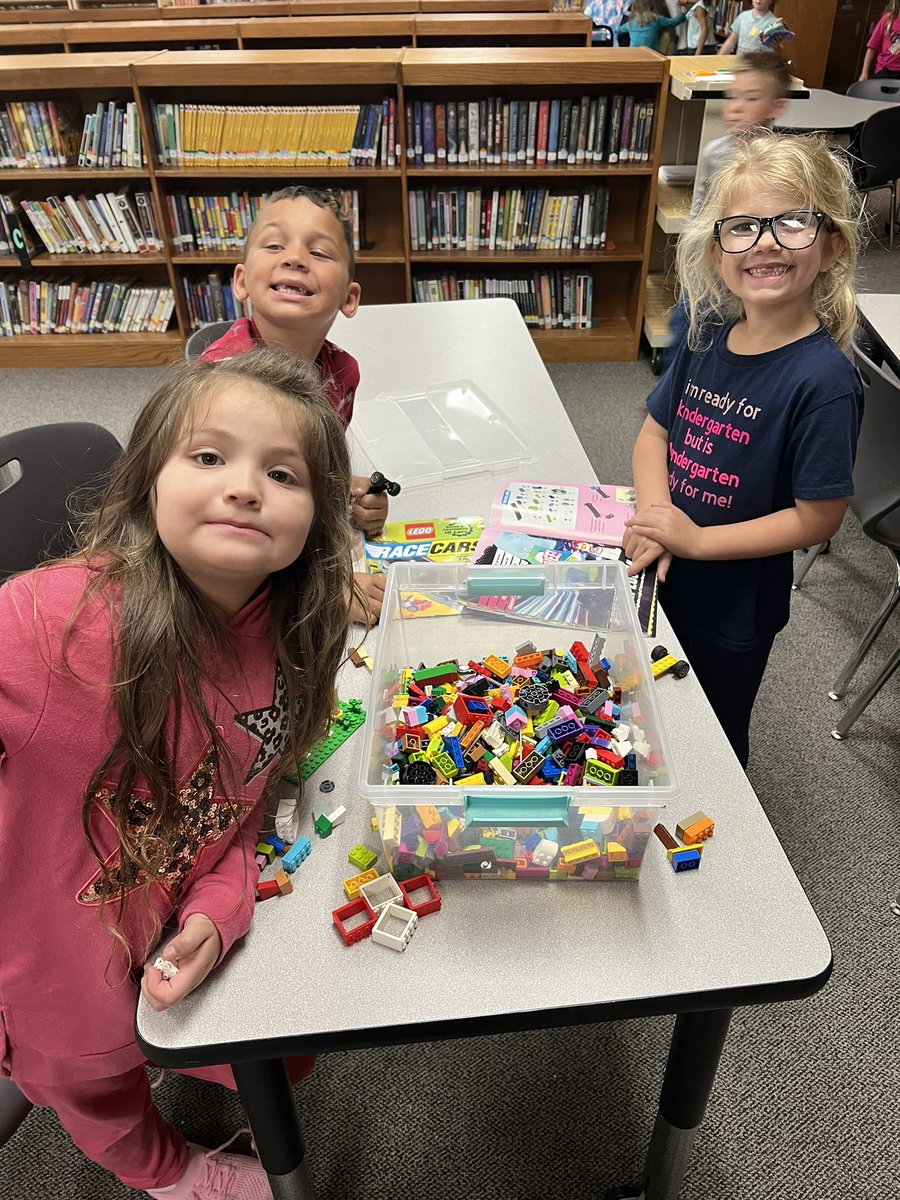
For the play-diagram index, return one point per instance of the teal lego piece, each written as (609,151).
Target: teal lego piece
(350,716)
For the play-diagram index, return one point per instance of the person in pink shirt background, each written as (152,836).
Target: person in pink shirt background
(883,47)
(153,685)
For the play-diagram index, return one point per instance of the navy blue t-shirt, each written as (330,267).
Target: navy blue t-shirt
(749,435)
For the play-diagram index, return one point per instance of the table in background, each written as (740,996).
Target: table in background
(827,112)
(881,316)
(738,931)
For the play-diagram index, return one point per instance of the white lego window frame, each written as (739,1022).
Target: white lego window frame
(389,914)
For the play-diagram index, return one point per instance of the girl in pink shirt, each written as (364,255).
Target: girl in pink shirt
(883,47)
(152,685)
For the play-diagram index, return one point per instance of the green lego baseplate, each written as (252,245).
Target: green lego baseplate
(350,715)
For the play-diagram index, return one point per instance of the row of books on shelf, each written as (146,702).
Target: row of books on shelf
(105,223)
(212,299)
(508,219)
(289,135)
(44,134)
(550,299)
(724,12)
(223,222)
(557,132)
(31,304)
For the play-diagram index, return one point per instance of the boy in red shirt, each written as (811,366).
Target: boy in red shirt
(297,274)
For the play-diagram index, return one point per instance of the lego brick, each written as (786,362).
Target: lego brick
(353,921)
(351,885)
(394,927)
(362,858)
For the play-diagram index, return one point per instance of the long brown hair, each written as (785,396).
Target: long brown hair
(167,638)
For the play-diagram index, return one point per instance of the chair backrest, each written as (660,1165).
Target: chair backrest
(876,476)
(875,89)
(878,147)
(40,469)
(205,336)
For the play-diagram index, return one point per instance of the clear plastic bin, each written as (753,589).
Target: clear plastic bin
(498,831)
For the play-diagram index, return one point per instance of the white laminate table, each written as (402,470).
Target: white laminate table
(881,314)
(470,969)
(827,112)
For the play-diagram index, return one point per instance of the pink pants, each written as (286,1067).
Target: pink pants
(115,1123)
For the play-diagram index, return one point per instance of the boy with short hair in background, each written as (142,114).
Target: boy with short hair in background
(298,273)
(749,28)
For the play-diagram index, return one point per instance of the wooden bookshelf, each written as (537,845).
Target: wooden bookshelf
(100,35)
(385,264)
(335,32)
(18,13)
(502,29)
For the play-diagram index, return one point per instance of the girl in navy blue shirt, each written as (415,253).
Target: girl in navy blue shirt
(747,452)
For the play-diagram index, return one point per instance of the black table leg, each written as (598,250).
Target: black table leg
(694,1053)
(265,1092)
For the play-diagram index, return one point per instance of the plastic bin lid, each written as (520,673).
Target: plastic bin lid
(441,432)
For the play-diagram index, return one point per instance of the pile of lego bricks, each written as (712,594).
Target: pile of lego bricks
(537,718)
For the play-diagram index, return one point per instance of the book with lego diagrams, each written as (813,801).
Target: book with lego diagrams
(508,548)
(593,513)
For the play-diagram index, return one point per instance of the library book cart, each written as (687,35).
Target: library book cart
(611,276)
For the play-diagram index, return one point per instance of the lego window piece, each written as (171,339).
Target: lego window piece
(419,883)
(394,927)
(353,921)
(381,891)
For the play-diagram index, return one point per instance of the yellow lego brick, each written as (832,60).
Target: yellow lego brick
(429,815)
(500,771)
(453,826)
(401,701)
(616,853)
(435,725)
(391,828)
(470,781)
(374,821)
(435,746)
(351,885)
(624,812)
(497,666)
(578,852)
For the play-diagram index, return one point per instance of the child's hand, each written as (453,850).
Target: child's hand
(367,513)
(195,951)
(372,588)
(668,526)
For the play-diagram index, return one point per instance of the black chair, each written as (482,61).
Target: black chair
(875,89)
(203,337)
(41,469)
(875,153)
(876,505)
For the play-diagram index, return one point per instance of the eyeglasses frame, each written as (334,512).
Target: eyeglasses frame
(764,224)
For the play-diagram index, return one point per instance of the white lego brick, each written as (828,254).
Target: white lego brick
(395,926)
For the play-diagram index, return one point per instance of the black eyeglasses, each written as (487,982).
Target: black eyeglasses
(794,230)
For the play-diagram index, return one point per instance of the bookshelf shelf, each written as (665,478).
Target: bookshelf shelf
(92,349)
(627,253)
(673,207)
(504,170)
(614,277)
(313,175)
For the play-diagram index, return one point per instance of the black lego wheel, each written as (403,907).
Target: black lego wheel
(657,653)
(681,669)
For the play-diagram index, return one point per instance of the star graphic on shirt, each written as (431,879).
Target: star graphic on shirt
(268,726)
(204,820)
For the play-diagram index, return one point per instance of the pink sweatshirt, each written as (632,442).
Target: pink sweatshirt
(59,1018)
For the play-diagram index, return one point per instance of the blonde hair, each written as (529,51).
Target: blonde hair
(815,177)
(642,11)
(167,641)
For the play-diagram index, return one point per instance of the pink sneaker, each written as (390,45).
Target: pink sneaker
(212,1175)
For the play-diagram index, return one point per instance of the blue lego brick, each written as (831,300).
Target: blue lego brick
(297,854)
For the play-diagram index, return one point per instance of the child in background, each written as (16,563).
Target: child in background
(700,37)
(297,274)
(749,28)
(644,25)
(152,685)
(747,451)
(883,47)
(756,98)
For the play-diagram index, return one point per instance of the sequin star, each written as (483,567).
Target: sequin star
(204,821)
(269,726)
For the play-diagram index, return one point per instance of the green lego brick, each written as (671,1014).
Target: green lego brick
(350,716)
(362,857)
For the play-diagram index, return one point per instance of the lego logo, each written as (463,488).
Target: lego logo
(418,531)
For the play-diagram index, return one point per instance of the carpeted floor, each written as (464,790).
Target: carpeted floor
(805,1104)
